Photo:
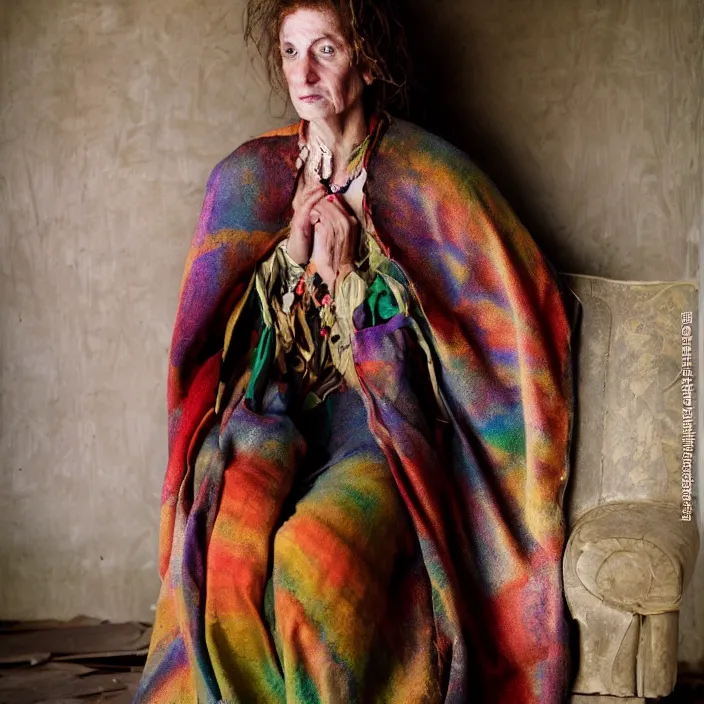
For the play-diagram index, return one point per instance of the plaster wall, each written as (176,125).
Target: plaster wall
(588,114)
(112,112)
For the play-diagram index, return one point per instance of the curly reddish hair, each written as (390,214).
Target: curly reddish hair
(371,27)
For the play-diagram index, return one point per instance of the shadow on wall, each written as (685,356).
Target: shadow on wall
(446,98)
(586,115)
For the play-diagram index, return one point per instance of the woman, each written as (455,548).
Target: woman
(370,410)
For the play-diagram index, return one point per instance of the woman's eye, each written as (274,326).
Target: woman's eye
(327,49)
(288,51)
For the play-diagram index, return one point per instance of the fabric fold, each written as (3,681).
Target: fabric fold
(482,327)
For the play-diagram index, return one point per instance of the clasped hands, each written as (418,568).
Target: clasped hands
(323,232)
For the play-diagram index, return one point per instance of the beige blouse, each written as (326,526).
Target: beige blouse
(321,354)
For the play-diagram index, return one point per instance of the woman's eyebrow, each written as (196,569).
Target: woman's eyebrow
(329,37)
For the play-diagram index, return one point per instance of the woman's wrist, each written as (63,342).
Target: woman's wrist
(298,249)
(332,278)
(299,242)
(326,272)
(289,262)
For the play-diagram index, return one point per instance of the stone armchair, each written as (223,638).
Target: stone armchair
(629,554)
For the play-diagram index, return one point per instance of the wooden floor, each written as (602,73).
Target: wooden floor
(83,660)
(86,660)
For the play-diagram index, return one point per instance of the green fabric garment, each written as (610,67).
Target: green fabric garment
(381,305)
(381,301)
(263,358)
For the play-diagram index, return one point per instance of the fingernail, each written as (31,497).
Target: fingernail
(331,198)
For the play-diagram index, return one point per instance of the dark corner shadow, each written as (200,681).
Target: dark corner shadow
(452,111)
(439,104)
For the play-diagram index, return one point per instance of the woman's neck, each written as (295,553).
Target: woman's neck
(340,134)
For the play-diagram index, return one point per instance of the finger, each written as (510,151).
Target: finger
(345,217)
(331,210)
(306,196)
(336,247)
(342,229)
(329,218)
(321,243)
(315,187)
(340,204)
(312,199)
(313,195)
(339,237)
(330,247)
(326,212)
(342,224)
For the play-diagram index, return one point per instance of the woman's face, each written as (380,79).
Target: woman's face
(317,65)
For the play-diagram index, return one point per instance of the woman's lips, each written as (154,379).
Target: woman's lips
(311,98)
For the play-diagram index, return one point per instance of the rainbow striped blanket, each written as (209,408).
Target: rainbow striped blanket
(473,604)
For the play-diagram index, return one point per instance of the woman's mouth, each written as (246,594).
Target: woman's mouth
(312,98)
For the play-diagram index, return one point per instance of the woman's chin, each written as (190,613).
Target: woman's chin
(318,110)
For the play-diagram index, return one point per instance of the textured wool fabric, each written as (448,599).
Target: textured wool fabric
(481,483)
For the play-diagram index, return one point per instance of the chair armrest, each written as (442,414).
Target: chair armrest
(635,556)
(625,569)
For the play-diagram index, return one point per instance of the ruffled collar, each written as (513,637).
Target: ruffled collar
(321,165)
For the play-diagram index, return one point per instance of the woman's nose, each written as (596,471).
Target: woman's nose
(309,73)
